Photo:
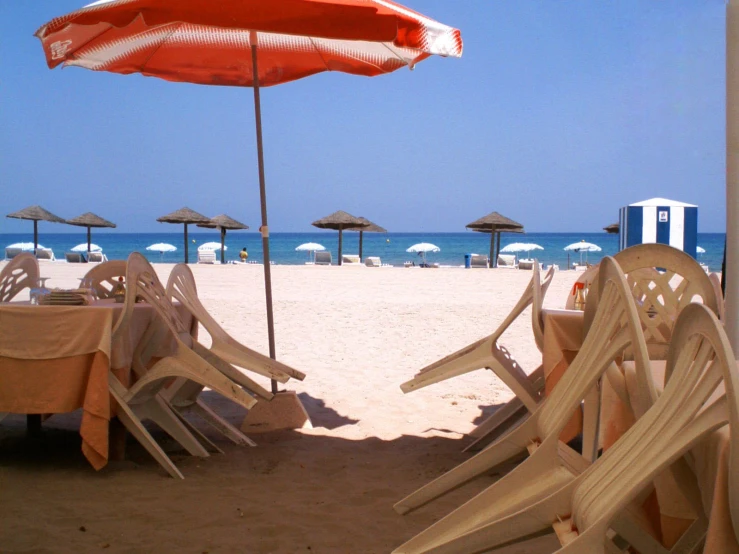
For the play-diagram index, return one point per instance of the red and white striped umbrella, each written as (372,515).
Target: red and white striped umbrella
(252,43)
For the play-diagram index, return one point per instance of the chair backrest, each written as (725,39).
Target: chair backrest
(11,253)
(506,260)
(716,282)
(478,261)
(700,360)
(20,273)
(663,281)
(96,257)
(350,259)
(615,328)
(323,258)
(105,276)
(45,254)
(539,291)
(206,256)
(75,258)
(372,261)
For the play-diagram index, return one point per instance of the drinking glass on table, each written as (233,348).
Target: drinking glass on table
(39,290)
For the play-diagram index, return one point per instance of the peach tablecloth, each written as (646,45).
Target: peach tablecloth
(563,331)
(55,359)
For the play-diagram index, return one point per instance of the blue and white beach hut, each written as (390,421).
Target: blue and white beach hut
(659,220)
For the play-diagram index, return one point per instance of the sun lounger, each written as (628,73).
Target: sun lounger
(350,259)
(96,257)
(479,261)
(75,258)
(323,258)
(11,253)
(45,254)
(507,261)
(527,264)
(373,261)
(207,257)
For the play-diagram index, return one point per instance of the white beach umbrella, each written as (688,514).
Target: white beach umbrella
(211,246)
(700,250)
(581,247)
(311,248)
(83,248)
(521,247)
(422,248)
(26,246)
(162,247)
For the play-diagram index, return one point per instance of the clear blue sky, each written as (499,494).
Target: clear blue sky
(558,113)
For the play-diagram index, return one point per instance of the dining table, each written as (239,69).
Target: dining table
(57,358)
(670,513)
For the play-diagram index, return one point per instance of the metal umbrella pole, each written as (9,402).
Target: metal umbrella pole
(264,229)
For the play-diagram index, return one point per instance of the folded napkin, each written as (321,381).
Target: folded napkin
(59,297)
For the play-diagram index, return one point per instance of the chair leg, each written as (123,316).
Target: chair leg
(591,423)
(532,481)
(205,441)
(137,429)
(220,424)
(498,423)
(157,410)
(534,521)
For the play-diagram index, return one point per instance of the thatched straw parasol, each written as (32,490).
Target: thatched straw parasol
(371,228)
(90,220)
(185,216)
(494,223)
(223,223)
(339,221)
(36,214)
(612,229)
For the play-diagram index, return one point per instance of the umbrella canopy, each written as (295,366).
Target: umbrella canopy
(700,250)
(310,247)
(205,42)
(86,247)
(36,214)
(495,223)
(339,221)
(583,246)
(612,229)
(184,216)
(224,223)
(521,247)
(26,246)
(162,247)
(370,228)
(424,247)
(211,246)
(90,220)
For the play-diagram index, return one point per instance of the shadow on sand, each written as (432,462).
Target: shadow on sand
(294,492)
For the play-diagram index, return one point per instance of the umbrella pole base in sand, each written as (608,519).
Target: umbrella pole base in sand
(284,411)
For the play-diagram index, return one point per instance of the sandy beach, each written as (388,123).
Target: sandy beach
(357,333)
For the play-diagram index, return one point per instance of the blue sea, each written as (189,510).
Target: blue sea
(391,247)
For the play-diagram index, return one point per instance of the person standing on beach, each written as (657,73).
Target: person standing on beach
(243,255)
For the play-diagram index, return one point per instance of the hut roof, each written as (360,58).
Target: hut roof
(89,219)
(225,222)
(494,221)
(613,228)
(339,220)
(36,213)
(184,215)
(371,227)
